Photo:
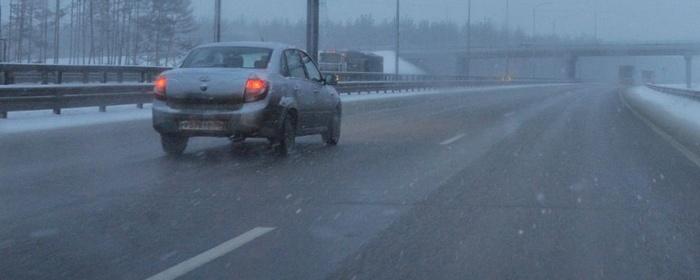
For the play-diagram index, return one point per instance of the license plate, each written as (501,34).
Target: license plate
(202,125)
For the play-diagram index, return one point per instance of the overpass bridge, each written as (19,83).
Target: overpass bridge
(572,53)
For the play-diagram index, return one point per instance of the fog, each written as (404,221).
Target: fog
(367,25)
(618,20)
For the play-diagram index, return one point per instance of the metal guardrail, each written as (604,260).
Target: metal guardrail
(57,97)
(60,74)
(45,87)
(692,93)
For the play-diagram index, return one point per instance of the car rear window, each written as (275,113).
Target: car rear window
(228,57)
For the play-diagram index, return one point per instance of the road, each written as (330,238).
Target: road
(552,182)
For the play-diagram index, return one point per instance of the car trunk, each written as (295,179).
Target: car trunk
(207,88)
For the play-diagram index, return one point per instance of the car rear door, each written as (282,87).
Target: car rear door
(296,73)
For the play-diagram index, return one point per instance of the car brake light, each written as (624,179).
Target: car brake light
(160,87)
(255,89)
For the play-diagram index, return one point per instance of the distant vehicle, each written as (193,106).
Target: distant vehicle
(648,77)
(242,90)
(626,75)
(350,61)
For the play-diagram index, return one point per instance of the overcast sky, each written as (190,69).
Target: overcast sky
(618,20)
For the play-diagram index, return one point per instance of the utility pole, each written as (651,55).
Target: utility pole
(467,60)
(312,27)
(217,21)
(56,31)
(398,37)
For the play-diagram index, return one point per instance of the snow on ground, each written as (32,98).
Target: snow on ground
(27,121)
(679,86)
(674,118)
(405,67)
(680,107)
(355,97)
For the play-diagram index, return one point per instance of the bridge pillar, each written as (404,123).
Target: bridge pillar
(688,71)
(571,64)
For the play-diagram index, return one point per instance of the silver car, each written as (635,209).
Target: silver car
(243,90)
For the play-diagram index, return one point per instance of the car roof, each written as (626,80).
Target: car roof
(252,44)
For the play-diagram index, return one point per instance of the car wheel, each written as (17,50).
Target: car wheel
(332,134)
(287,137)
(173,145)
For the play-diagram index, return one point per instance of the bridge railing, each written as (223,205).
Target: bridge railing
(692,93)
(54,87)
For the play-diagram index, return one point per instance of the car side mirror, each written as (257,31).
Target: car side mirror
(331,80)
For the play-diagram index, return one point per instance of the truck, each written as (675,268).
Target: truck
(626,75)
(350,61)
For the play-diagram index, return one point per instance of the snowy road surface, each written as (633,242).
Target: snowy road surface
(556,182)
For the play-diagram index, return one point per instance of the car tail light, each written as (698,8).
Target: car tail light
(255,89)
(160,87)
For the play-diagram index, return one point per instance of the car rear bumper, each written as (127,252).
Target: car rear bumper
(251,120)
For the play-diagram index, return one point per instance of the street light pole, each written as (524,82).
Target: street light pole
(0,18)
(312,27)
(398,37)
(533,68)
(595,31)
(217,21)
(467,60)
(507,77)
(57,29)
(534,17)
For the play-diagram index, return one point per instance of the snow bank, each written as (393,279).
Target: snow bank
(356,97)
(28,121)
(677,116)
(679,86)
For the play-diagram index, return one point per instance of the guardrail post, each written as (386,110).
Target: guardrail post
(57,108)
(688,71)
(120,77)
(143,77)
(9,77)
(3,115)
(86,77)
(103,109)
(59,77)
(140,105)
(44,77)
(105,75)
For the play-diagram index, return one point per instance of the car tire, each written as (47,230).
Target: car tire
(173,145)
(287,137)
(332,134)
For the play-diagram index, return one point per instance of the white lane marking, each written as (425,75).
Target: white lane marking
(674,143)
(453,139)
(210,255)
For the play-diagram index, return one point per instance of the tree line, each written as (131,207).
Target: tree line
(122,32)
(160,32)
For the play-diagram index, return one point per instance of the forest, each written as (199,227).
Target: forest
(160,32)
